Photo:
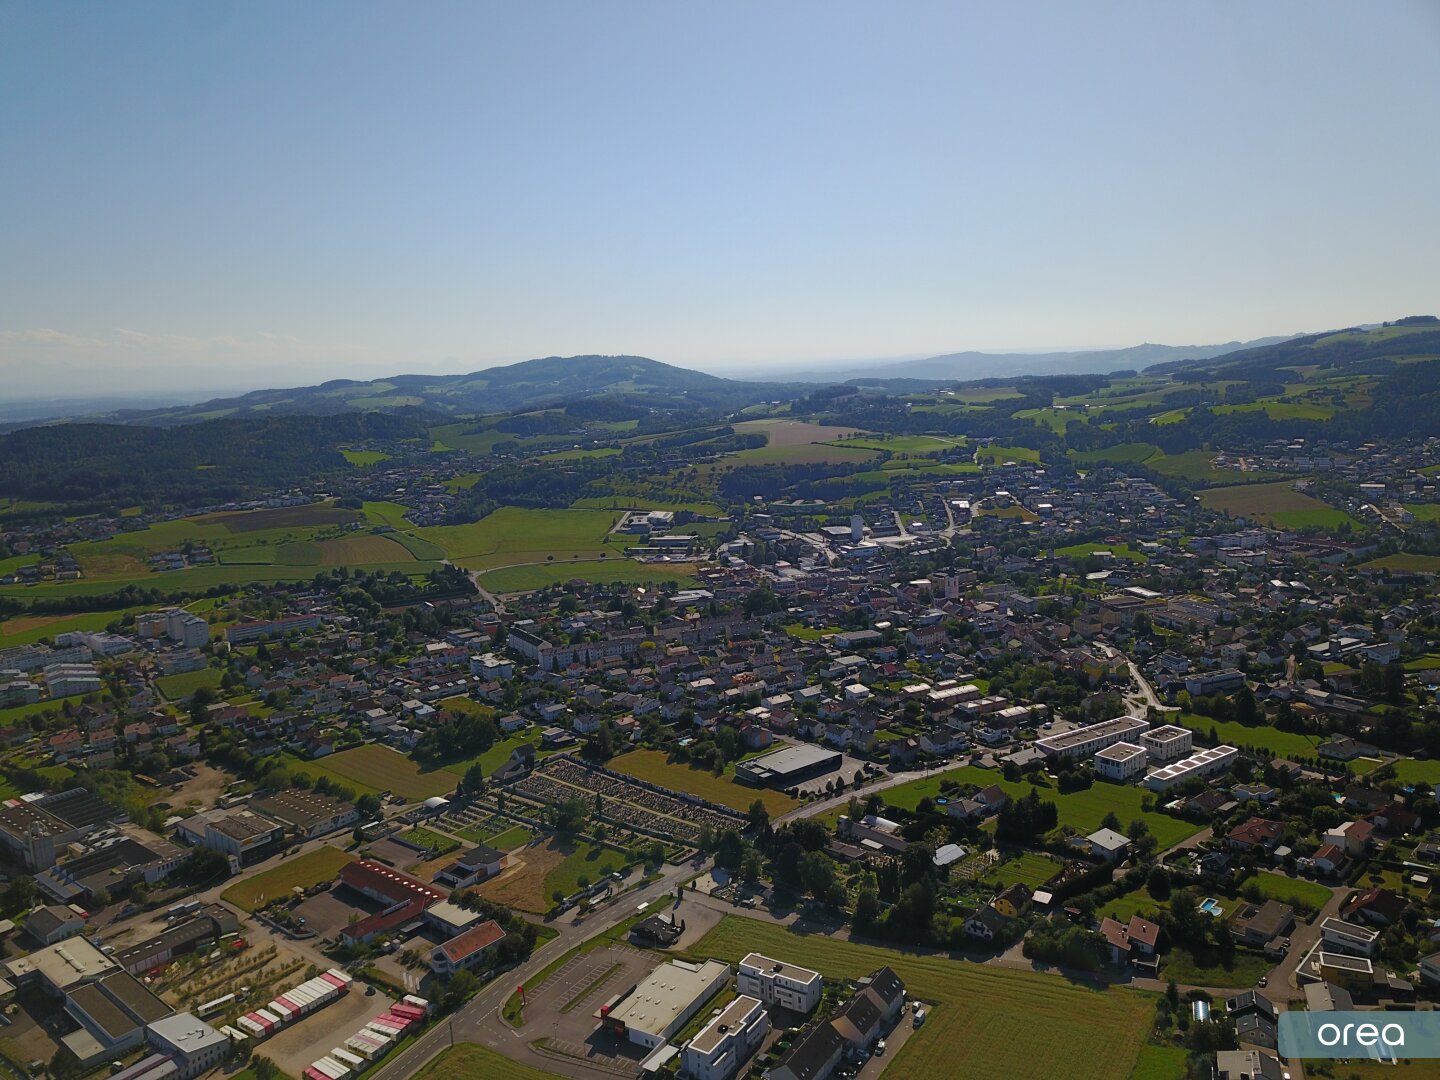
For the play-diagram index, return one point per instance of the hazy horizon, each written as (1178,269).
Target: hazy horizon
(218,197)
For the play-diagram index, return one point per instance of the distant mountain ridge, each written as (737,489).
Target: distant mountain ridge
(987,365)
(530,384)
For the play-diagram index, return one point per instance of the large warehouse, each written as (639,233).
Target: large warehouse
(790,765)
(665,1000)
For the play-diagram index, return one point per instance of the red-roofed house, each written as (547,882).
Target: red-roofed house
(465,950)
(1255,833)
(405,898)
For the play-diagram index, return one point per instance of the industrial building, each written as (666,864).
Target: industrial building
(665,1000)
(1085,741)
(1215,760)
(789,765)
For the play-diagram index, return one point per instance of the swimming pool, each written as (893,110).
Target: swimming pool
(1211,906)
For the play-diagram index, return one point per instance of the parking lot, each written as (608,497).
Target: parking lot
(327,913)
(564,1009)
(297,1046)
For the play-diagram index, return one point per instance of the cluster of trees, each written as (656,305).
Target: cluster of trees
(1025,820)
(457,735)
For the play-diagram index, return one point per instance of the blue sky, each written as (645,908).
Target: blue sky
(237,195)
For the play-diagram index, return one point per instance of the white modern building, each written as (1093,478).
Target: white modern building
(724,1044)
(1211,762)
(1085,741)
(1168,743)
(777,983)
(1123,761)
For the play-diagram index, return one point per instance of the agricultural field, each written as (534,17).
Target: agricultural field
(282,544)
(1232,733)
(651,765)
(1277,504)
(303,871)
(1121,453)
(815,453)
(1405,563)
(1055,418)
(541,575)
(386,513)
(512,535)
(364,458)
(1198,465)
(372,768)
(980,1013)
(904,444)
(1424,511)
(1280,410)
(1081,810)
(28,629)
(1160,1062)
(184,685)
(998,455)
(784,432)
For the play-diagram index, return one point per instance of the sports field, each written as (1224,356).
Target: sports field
(1277,504)
(303,871)
(651,765)
(540,575)
(372,768)
(512,535)
(984,1020)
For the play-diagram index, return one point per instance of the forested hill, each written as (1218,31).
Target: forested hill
(634,380)
(1353,351)
(115,465)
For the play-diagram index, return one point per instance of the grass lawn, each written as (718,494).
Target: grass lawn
(510,839)
(541,575)
(372,768)
(1410,771)
(1030,869)
(491,759)
(1082,810)
(590,861)
(982,1016)
(1297,892)
(1277,504)
(1190,969)
(512,535)
(467,1060)
(184,685)
(1232,733)
(810,633)
(429,838)
(1159,1063)
(651,765)
(1120,551)
(303,871)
